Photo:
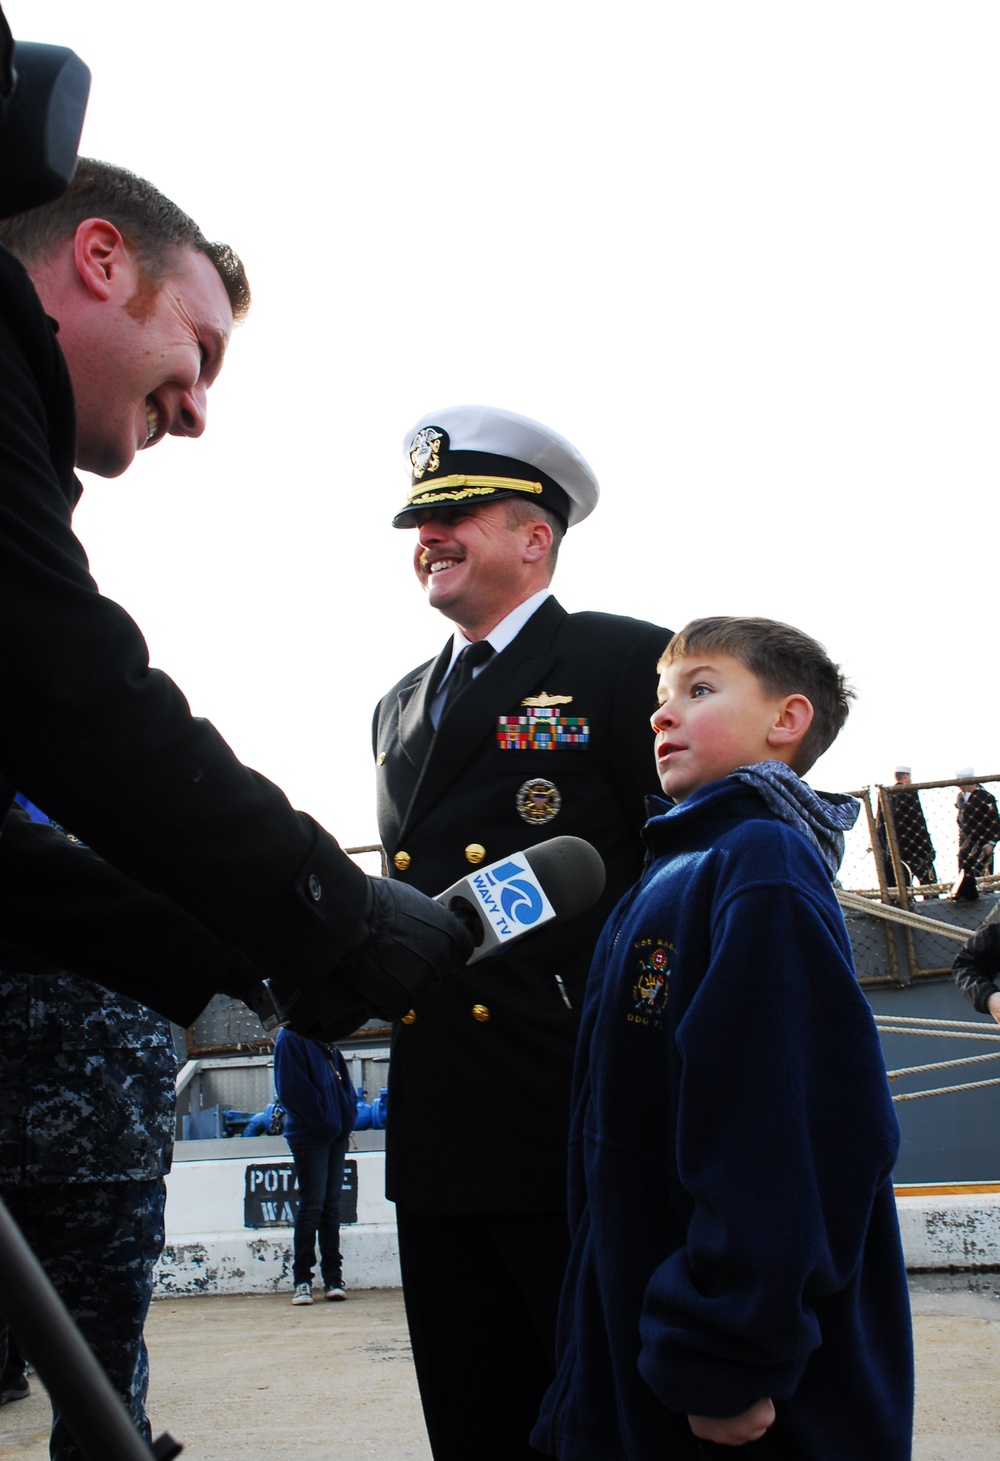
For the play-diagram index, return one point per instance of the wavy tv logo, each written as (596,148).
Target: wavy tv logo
(511,897)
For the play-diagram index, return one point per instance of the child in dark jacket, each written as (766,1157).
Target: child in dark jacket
(314,1086)
(736,1275)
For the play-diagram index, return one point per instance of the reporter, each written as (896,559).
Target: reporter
(115,316)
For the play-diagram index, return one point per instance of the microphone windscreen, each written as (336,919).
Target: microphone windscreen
(570,870)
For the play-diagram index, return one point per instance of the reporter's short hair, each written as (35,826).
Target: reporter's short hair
(785,661)
(153,227)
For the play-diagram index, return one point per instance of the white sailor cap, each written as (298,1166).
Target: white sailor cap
(904,770)
(469,454)
(965,773)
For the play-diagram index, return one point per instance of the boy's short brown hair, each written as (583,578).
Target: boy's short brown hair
(785,662)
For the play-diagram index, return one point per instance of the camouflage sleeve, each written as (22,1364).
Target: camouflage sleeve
(977,965)
(87,1089)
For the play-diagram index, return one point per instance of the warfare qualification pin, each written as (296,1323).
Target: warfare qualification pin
(538,801)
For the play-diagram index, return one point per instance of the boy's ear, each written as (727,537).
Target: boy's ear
(793,720)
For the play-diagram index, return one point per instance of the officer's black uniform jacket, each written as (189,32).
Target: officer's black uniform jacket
(479,1107)
(107,745)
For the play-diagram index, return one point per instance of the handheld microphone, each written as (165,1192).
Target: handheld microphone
(555,880)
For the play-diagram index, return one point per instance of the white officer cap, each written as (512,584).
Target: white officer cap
(965,773)
(469,454)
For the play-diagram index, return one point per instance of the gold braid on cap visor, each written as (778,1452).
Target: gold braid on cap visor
(455,488)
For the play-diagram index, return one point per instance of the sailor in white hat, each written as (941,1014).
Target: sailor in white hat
(913,839)
(978,828)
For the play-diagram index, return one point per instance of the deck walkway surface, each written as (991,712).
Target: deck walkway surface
(250,1376)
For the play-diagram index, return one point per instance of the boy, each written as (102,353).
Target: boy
(736,1274)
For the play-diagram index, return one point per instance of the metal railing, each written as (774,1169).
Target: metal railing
(904,857)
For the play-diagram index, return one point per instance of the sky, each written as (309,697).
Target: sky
(745,256)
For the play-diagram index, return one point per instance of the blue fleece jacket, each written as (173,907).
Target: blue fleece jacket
(313,1084)
(733,1223)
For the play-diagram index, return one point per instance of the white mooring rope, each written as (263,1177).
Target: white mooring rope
(891,914)
(940,1029)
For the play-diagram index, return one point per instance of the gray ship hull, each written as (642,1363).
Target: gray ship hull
(947,1138)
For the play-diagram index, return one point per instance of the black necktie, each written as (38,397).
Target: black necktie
(472,656)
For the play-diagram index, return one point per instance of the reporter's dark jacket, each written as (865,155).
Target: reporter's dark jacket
(63,907)
(108,745)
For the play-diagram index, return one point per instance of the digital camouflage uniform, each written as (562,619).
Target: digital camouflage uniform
(86,1134)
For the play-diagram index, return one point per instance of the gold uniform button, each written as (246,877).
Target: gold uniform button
(475,853)
(401,861)
(410,1018)
(480,1013)
(381,758)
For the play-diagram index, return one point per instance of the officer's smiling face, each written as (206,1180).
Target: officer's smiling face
(472,563)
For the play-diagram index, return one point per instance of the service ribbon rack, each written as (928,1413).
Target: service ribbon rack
(542,730)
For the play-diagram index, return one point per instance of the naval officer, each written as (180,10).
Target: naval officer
(545,732)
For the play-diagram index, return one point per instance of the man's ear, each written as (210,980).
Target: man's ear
(102,259)
(794,718)
(538,541)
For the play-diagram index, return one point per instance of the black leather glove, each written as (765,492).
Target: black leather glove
(412,941)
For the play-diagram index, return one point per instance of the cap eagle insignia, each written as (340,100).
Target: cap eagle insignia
(424,455)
